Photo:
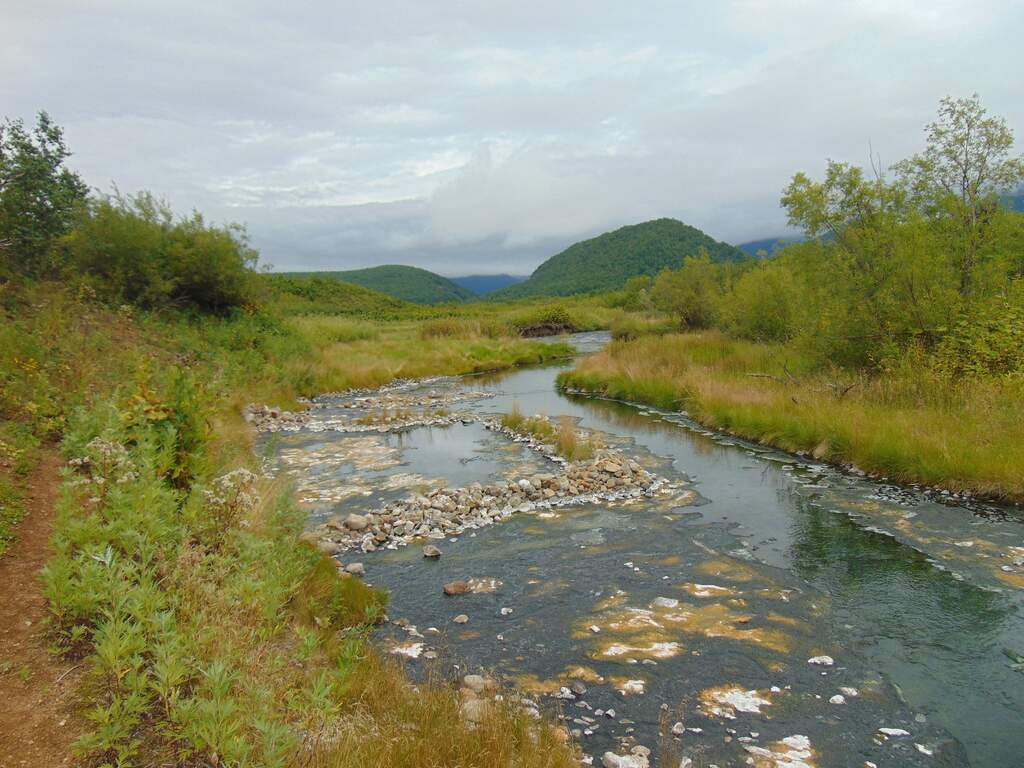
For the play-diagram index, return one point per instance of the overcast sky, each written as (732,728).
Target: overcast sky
(481,137)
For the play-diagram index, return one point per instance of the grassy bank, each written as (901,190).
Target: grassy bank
(211,633)
(907,423)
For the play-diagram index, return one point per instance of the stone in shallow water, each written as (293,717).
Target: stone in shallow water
(821,661)
(356,522)
(431,551)
(461,619)
(458,587)
(356,569)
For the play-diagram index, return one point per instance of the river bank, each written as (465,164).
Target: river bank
(200,626)
(963,438)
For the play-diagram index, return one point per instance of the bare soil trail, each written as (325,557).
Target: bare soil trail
(39,717)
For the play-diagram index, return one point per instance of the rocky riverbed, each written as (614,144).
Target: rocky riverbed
(608,476)
(733,606)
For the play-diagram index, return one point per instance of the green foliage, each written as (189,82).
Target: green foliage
(150,580)
(323,295)
(406,283)
(544,321)
(990,342)
(633,326)
(764,304)
(691,293)
(133,250)
(884,268)
(958,180)
(38,195)
(607,262)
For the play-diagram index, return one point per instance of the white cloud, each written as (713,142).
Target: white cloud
(467,136)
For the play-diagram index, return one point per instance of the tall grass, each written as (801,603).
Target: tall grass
(563,436)
(212,633)
(906,423)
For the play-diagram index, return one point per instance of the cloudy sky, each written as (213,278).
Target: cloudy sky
(480,137)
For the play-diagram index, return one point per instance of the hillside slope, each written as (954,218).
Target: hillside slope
(607,261)
(298,294)
(481,284)
(403,282)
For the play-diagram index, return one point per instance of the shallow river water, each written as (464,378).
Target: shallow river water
(708,613)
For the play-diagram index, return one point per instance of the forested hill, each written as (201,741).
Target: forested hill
(481,284)
(408,283)
(607,261)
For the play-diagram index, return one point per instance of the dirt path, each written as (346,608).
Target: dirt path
(38,722)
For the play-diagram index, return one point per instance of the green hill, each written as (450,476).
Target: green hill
(406,283)
(606,262)
(298,294)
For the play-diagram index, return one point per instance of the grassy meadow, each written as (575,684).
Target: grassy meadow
(908,423)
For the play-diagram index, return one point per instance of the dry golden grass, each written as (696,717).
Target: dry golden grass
(392,723)
(402,350)
(908,424)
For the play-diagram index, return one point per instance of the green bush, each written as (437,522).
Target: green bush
(764,304)
(38,195)
(989,342)
(132,250)
(545,321)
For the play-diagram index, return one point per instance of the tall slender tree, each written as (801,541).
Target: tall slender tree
(957,180)
(38,194)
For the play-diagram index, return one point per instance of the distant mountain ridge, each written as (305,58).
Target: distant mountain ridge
(481,284)
(419,286)
(606,262)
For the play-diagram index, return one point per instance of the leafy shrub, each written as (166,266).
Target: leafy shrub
(38,194)
(546,321)
(763,305)
(988,343)
(134,251)
(691,293)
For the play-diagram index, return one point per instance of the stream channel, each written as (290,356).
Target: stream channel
(704,614)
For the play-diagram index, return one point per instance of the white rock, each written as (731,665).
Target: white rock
(678,729)
(611,760)
(475,683)
(894,732)
(822,661)
(837,699)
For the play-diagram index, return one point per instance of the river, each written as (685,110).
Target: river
(705,614)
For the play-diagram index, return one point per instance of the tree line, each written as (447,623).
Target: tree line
(127,248)
(925,258)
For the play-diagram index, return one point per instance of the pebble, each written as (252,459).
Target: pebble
(461,619)
(356,569)
(431,551)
